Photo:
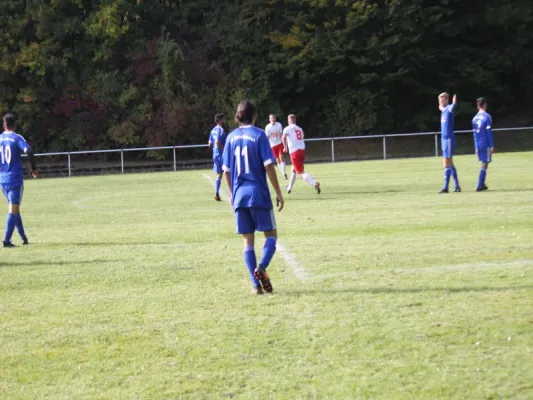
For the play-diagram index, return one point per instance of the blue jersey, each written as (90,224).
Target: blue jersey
(12,146)
(447,118)
(482,126)
(217,133)
(246,155)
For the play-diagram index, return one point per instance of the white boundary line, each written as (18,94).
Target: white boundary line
(299,271)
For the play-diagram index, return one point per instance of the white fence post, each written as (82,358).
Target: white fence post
(436,144)
(174,155)
(332,150)
(69,170)
(384,147)
(122,160)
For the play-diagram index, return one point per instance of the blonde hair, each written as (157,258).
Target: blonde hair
(292,117)
(444,95)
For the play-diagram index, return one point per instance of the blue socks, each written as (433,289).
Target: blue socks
(217,185)
(455,177)
(268,252)
(10,227)
(20,227)
(447,175)
(481,179)
(251,264)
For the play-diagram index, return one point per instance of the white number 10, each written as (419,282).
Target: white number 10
(5,154)
(238,154)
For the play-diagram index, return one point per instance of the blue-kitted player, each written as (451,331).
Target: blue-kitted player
(248,159)
(483,141)
(217,140)
(12,146)
(447,119)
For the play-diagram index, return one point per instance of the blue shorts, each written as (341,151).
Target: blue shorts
(249,220)
(448,147)
(217,165)
(13,193)
(483,154)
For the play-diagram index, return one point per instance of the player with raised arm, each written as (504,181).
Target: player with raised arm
(483,141)
(248,159)
(274,130)
(12,146)
(447,118)
(217,140)
(293,142)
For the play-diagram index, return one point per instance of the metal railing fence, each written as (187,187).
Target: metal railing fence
(332,149)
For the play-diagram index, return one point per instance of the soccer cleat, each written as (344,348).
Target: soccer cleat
(258,290)
(317,187)
(8,245)
(217,197)
(25,242)
(482,188)
(288,190)
(457,189)
(262,277)
(285,176)
(444,191)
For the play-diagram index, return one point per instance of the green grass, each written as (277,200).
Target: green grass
(134,287)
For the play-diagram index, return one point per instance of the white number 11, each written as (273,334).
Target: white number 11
(238,154)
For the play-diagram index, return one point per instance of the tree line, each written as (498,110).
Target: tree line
(87,74)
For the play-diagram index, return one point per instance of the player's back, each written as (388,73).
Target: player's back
(481,125)
(217,133)
(246,155)
(295,137)
(12,146)
(447,119)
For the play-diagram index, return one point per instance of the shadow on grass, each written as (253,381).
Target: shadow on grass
(465,289)
(39,263)
(106,244)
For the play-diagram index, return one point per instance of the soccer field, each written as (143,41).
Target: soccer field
(134,287)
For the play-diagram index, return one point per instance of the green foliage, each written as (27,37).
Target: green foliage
(87,74)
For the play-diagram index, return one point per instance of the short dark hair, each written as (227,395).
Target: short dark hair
(219,117)
(10,121)
(246,112)
(481,102)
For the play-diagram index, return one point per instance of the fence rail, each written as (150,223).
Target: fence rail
(335,144)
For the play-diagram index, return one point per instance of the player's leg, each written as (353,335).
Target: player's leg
(293,173)
(447,163)
(19,225)
(245,227)
(265,221)
(451,148)
(485,158)
(13,198)
(306,176)
(281,162)
(217,168)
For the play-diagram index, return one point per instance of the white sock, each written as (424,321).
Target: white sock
(282,166)
(291,182)
(308,179)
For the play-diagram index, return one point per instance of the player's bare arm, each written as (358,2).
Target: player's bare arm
(219,145)
(227,176)
(454,100)
(285,144)
(33,164)
(273,177)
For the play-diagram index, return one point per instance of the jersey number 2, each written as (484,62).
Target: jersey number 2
(5,154)
(298,134)
(238,154)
